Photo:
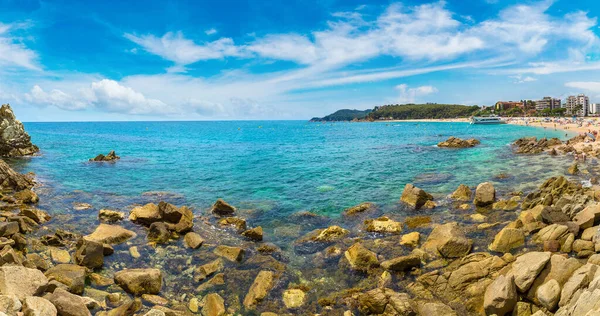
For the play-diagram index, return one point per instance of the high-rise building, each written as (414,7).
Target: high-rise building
(547,103)
(593,108)
(577,105)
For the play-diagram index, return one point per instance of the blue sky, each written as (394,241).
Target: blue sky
(231,59)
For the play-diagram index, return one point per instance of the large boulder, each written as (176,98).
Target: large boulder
(454,142)
(71,275)
(361,258)
(12,180)
(548,294)
(68,304)
(139,281)
(527,267)
(14,141)
(507,239)
(111,157)
(146,215)
(384,301)
(214,305)
(501,296)
(89,253)
(414,196)
(383,225)
(222,208)
(485,194)
(38,306)
(21,281)
(462,193)
(260,288)
(448,240)
(111,234)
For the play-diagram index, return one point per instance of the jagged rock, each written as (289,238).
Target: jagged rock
(435,308)
(38,306)
(358,209)
(110,216)
(111,157)
(263,283)
(508,239)
(558,268)
(462,193)
(12,180)
(384,301)
(531,145)
(206,270)
(383,225)
(485,194)
(454,142)
(587,217)
(501,296)
(222,208)
(213,305)
(10,304)
(254,234)
(21,281)
(527,267)
(402,263)
(111,234)
(159,233)
(410,239)
(14,141)
(448,240)
(68,304)
(71,275)
(573,169)
(233,254)
(238,223)
(548,294)
(89,253)
(27,196)
(414,196)
(360,258)
(578,281)
(193,240)
(8,229)
(146,215)
(36,215)
(139,281)
(319,239)
(552,232)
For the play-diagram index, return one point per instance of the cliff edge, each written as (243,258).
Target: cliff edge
(14,141)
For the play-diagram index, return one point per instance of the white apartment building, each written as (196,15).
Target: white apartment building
(547,103)
(593,108)
(578,105)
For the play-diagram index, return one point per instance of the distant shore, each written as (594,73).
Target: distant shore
(565,124)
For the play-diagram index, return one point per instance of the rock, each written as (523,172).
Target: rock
(558,268)
(222,208)
(213,305)
(359,209)
(179,219)
(36,215)
(436,308)
(14,141)
(111,157)
(206,270)
(139,281)
(360,258)
(531,145)
(111,234)
(254,234)
(89,253)
(294,298)
(417,221)
(100,280)
(233,254)
(485,194)
(8,229)
(126,309)
(576,283)
(410,239)
(319,239)
(238,223)
(573,169)
(552,232)
(193,240)
(582,245)
(383,225)
(155,312)
(21,281)
(589,233)
(10,304)
(448,240)
(68,304)
(508,239)
(402,263)
(462,193)
(78,206)
(155,299)
(27,196)
(415,197)
(110,216)
(12,180)
(38,306)
(501,296)
(260,288)
(384,301)
(548,294)
(71,275)
(527,267)
(454,142)
(146,215)
(159,233)
(587,217)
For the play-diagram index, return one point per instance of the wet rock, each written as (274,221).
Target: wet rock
(110,157)
(402,263)
(573,169)
(319,239)
(415,197)
(527,267)
(260,288)
(12,180)
(254,234)
(233,254)
(206,270)
(10,304)
(159,233)
(38,306)
(21,281)
(410,239)
(238,223)
(68,304)
(8,229)
(193,240)
(359,209)
(454,142)
(71,275)
(222,208)
(417,221)
(501,296)
(89,253)
(134,252)
(100,280)
(155,312)
(361,258)
(27,196)
(110,216)
(548,294)
(146,215)
(111,234)
(448,240)
(383,225)
(485,194)
(294,298)
(14,141)
(139,281)
(39,262)
(78,206)
(213,305)
(384,301)
(508,239)
(128,308)
(531,145)
(36,215)
(462,193)
(436,308)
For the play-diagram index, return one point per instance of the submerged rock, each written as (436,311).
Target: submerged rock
(359,209)
(222,208)
(14,141)
(383,225)
(454,142)
(319,239)
(414,196)
(294,298)
(260,288)
(214,305)
(193,240)
(402,263)
(361,258)
(111,157)
(254,234)
(110,215)
(233,254)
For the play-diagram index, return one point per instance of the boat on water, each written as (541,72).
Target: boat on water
(493,119)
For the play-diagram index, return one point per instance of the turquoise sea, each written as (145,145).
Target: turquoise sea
(278,167)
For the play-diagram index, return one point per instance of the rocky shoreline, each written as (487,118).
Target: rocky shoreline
(475,252)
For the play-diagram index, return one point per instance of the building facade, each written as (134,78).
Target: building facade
(593,108)
(507,105)
(578,105)
(547,103)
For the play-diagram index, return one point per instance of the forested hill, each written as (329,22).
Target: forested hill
(343,115)
(403,112)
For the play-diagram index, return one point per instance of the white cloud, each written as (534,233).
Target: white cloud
(211,31)
(13,53)
(55,98)
(593,86)
(523,79)
(411,95)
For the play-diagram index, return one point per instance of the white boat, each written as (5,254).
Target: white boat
(487,120)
